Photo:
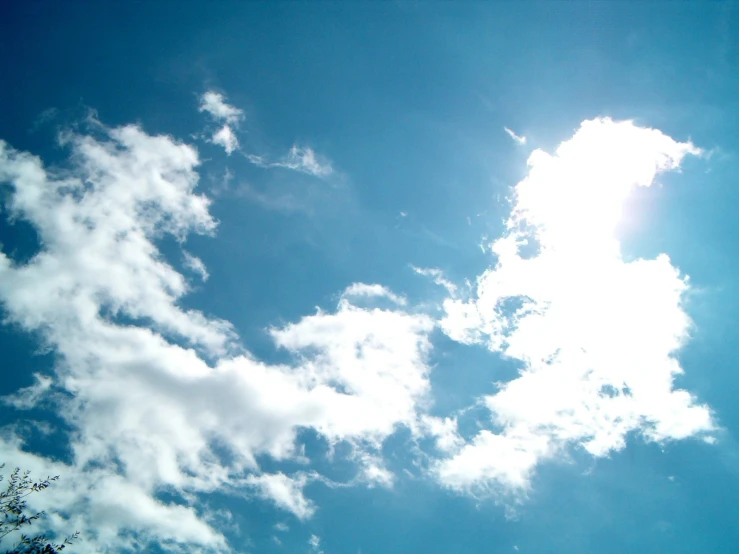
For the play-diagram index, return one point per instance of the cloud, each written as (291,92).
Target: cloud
(373,471)
(196,265)
(315,544)
(162,398)
(305,160)
(159,397)
(215,105)
(226,138)
(101,503)
(444,431)
(302,159)
(358,290)
(595,335)
(29,397)
(518,139)
(438,278)
(285,492)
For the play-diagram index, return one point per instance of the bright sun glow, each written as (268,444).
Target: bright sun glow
(595,334)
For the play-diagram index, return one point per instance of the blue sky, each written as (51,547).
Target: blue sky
(373,277)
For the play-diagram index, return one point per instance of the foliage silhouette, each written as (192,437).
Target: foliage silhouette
(14,519)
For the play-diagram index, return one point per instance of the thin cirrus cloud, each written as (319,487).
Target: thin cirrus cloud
(298,158)
(595,335)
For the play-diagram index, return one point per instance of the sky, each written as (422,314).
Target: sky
(376,277)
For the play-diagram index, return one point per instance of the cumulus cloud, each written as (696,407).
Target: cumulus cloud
(444,430)
(102,503)
(595,335)
(160,397)
(215,105)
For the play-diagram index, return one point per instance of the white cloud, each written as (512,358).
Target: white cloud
(299,158)
(101,503)
(596,336)
(226,138)
(315,544)
(158,396)
(304,159)
(196,265)
(215,104)
(28,397)
(518,139)
(163,398)
(375,290)
(285,492)
(444,430)
(438,277)
(373,471)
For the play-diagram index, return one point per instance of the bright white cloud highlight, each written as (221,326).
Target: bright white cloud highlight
(596,336)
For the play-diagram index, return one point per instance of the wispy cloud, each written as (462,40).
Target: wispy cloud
(518,139)
(304,159)
(215,105)
(285,492)
(196,265)
(315,544)
(596,335)
(438,278)
(298,158)
(29,397)
(369,291)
